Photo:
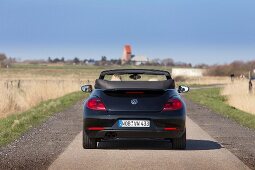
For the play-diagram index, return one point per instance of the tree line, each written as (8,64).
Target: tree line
(236,68)
(233,68)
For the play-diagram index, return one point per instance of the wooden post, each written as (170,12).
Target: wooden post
(18,84)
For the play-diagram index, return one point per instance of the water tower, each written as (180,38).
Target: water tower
(127,53)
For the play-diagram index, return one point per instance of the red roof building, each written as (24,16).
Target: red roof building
(126,53)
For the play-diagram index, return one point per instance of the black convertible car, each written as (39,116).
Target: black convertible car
(134,103)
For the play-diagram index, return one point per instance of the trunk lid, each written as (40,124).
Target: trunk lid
(135,100)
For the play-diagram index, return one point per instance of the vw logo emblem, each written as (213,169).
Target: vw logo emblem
(134,101)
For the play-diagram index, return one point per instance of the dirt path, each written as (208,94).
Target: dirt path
(47,143)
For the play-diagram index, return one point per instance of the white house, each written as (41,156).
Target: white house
(138,60)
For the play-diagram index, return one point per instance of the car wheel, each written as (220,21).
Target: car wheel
(89,143)
(179,143)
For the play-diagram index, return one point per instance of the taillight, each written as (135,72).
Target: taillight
(172,104)
(96,104)
(96,128)
(170,129)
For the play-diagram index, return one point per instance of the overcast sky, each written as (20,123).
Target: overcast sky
(196,31)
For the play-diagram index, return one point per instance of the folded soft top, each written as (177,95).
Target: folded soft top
(135,71)
(148,85)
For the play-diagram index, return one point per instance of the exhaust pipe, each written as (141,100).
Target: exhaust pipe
(111,135)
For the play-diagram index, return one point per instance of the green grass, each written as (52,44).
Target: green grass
(15,125)
(213,100)
(190,85)
(73,70)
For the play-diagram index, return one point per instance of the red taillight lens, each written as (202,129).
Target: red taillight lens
(96,104)
(96,128)
(170,129)
(172,104)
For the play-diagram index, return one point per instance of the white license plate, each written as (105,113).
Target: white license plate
(134,123)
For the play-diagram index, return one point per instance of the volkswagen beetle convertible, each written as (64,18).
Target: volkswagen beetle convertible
(134,103)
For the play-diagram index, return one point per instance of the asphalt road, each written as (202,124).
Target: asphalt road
(57,144)
(203,152)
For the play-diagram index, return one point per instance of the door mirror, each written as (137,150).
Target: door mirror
(183,89)
(86,88)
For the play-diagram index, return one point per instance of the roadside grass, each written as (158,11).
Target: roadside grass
(213,100)
(192,85)
(15,125)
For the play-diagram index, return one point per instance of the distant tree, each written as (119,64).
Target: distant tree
(85,60)
(167,62)
(49,60)
(236,67)
(201,66)
(56,60)
(91,60)
(155,62)
(2,57)
(103,59)
(116,61)
(4,62)
(62,59)
(76,60)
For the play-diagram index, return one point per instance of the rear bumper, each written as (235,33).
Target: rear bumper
(135,133)
(158,123)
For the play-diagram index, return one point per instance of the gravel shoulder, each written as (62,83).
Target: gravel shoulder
(237,139)
(41,145)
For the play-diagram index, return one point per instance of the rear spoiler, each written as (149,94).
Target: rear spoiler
(135,71)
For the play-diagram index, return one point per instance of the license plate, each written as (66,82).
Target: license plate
(134,123)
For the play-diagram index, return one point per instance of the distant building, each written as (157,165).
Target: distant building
(127,54)
(138,60)
(187,72)
(128,57)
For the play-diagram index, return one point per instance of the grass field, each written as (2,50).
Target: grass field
(238,95)
(15,125)
(24,86)
(205,80)
(20,95)
(213,99)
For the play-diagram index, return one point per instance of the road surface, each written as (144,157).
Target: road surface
(203,152)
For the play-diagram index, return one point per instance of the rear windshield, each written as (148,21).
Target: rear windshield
(134,77)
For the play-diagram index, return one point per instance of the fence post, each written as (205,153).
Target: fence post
(18,84)
(250,86)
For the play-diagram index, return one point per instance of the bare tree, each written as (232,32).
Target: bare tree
(3,60)
(167,62)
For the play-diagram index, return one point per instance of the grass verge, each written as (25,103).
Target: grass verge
(15,125)
(213,100)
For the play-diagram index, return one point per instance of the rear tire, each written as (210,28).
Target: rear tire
(179,143)
(89,143)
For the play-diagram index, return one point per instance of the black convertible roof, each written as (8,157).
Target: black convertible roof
(146,85)
(135,71)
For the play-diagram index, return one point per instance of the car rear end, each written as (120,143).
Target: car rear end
(153,114)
